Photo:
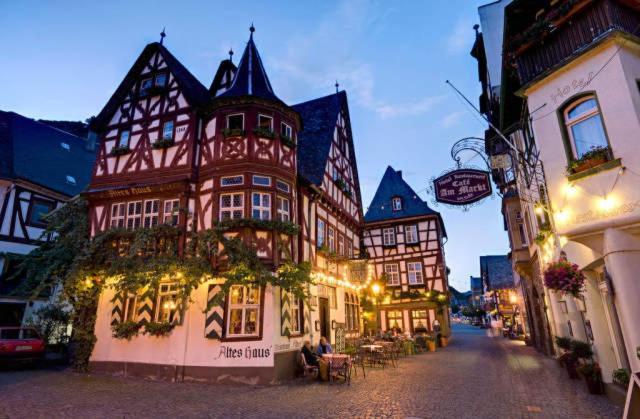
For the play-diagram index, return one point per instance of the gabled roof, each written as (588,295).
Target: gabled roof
(319,117)
(195,93)
(224,76)
(497,272)
(38,153)
(251,78)
(392,185)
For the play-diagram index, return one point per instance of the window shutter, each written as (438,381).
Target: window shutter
(215,315)
(307,318)
(117,313)
(145,309)
(178,318)
(285,313)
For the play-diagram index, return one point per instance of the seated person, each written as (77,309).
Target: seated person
(309,357)
(324,347)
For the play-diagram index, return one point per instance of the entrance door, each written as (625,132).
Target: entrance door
(325,321)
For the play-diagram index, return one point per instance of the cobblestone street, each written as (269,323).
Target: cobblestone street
(476,376)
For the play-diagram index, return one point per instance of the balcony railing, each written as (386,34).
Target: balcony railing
(572,36)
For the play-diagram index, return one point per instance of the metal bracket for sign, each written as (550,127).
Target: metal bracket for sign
(474,144)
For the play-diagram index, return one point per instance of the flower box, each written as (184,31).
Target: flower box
(120,150)
(287,141)
(237,132)
(593,158)
(163,143)
(264,133)
(125,330)
(159,329)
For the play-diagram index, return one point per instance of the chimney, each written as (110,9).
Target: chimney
(399,172)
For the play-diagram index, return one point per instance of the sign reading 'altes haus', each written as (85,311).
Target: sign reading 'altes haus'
(462,187)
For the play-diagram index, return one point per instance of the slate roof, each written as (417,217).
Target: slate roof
(195,93)
(251,78)
(33,151)
(392,185)
(226,68)
(497,272)
(319,118)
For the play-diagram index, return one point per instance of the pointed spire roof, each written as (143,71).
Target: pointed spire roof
(251,79)
(393,185)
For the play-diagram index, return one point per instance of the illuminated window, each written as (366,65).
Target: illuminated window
(243,314)
(296,314)
(394,319)
(396,203)
(130,308)
(419,320)
(231,206)
(167,303)
(340,244)
(331,239)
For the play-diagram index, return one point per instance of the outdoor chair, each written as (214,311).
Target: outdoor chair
(306,368)
(340,369)
(357,361)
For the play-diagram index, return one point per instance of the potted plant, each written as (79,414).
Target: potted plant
(287,141)
(162,143)
(120,150)
(125,330)
(264,132)
(158,329)
(596,156)
(235,132)
(592,374)
(431,342)
(565,277)
(621,377)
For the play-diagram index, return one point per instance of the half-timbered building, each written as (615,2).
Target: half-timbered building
(173,151)
(41,167)
(404,239)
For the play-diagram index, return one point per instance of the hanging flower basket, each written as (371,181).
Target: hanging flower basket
(564,277)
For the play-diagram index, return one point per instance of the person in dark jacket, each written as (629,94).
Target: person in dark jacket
(309,357)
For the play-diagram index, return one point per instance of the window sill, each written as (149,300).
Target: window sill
(240,338)
(611,164)
(389,246)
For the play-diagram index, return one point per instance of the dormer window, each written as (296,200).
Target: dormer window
(396,203)
(145,85)
(265,122)
(235,121)
(71,180)
(65,146)
(124,139)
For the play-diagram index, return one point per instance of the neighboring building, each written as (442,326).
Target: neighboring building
(564,92)
(500,292)
(460,299)
(404,240)
(41,167)
(234,151)
(477,291)
(521,180)
(580,84)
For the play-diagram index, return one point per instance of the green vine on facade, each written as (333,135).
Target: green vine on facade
(131,261)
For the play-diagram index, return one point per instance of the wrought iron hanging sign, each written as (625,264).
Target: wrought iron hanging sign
(462,186)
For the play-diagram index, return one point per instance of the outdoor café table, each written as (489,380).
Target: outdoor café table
(336,362)
(372,348)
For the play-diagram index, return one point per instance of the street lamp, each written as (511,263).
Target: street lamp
(376,289)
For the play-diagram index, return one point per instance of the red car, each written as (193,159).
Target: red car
(20,343)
